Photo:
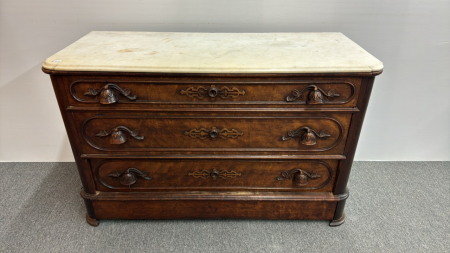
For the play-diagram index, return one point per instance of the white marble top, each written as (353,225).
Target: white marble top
(214,53)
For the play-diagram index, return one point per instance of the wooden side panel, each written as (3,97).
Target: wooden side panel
(352,140)
(73,133)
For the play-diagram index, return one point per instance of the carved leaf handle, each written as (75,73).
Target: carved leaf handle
(308,136)
(315,95)
(130,176)
(107,94)
(117,136)
(300,176)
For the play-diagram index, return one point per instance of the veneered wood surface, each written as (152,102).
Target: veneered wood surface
(352,141)
(254,175)
(166,91)
(168,132)
(216,209)
(194,93)
(212,205)
(172,111)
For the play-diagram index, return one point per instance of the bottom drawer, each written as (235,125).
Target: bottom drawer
(215,209)
(214,175)
(213,205)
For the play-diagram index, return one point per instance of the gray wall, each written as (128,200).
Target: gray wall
(408,116)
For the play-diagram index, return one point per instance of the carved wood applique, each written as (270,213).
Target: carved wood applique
(213,133)
(213,92)
(214,174)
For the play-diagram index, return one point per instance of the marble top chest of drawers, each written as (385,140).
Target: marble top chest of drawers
(205,125)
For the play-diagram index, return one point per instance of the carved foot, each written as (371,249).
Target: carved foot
(338,222)
(90,221)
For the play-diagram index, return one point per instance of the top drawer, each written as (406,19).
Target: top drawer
(137,92)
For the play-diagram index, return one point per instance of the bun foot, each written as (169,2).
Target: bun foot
(338,222)
(91,221)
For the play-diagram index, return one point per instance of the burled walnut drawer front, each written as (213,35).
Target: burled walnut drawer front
(223,175)
(310,92)
(143,133)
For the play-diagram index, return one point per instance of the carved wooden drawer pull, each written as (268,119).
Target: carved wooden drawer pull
(108,95)
(118,136)
(301,177)
(213,133)
(213,92)
(214,174)
(315,95)
(308,136)
(130,176)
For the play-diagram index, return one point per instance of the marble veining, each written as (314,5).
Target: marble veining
(214,53)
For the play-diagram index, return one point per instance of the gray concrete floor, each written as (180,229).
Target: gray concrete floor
(393,207)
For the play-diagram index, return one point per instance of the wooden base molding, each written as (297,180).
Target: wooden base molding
(213,205)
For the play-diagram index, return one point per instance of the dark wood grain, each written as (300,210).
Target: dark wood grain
(255,175)
(195,92)
(161,91)
(72,132)
(168,132)
(263,175)
(352,140)
(210,205)
(345,166)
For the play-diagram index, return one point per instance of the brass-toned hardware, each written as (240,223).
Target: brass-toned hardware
(214,174)
(213,133)
(213,92)
(108,95)
(308,136)
(118,136)
(315,95)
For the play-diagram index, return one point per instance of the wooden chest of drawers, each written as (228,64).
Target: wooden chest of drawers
(195,125)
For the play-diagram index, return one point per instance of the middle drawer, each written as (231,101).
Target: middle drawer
(152,133)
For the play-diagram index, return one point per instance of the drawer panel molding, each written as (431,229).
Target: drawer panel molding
(306,93)
(207,174)
(249,133)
